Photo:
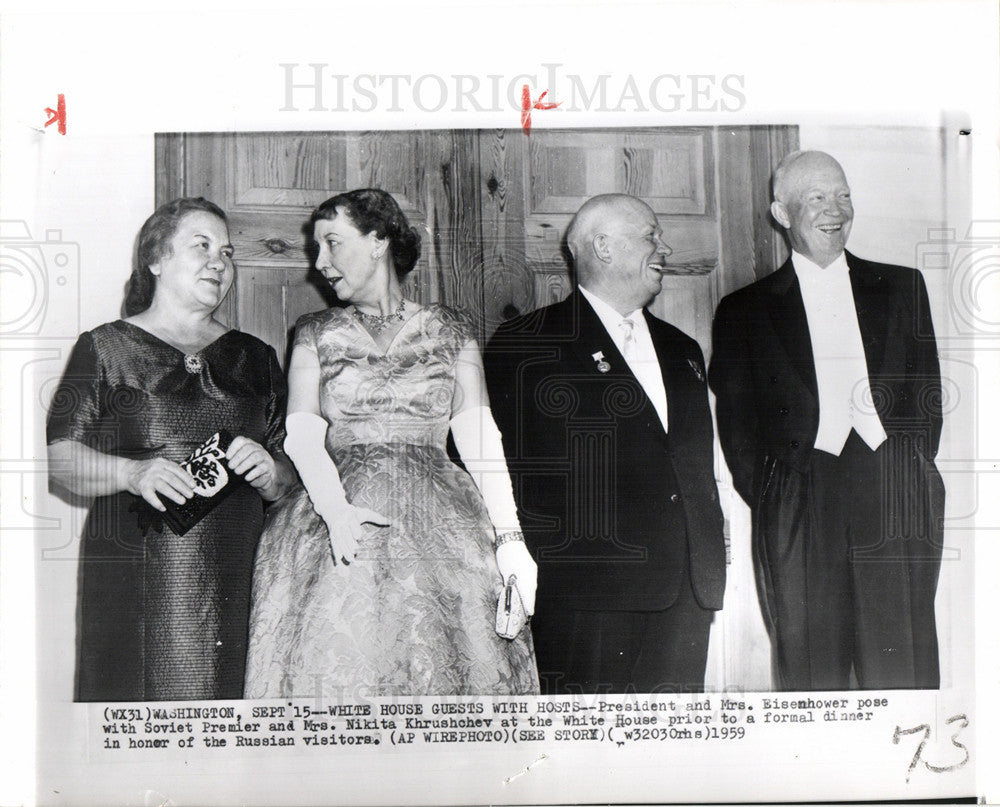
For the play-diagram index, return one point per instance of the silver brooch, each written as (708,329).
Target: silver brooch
(602,365)
(193,364)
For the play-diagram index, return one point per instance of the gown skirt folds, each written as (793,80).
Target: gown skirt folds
(162,616)
(414,614)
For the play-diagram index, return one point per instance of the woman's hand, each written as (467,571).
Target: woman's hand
(154,478)
(514,558)
(249,459)
(305,443)
(346,531)
(268,475)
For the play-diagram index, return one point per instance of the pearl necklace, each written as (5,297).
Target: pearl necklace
(379,322)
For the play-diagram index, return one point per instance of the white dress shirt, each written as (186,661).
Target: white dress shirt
(845,396)
(640,356)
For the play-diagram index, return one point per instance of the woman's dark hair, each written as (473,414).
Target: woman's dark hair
(374,211)
(154,244)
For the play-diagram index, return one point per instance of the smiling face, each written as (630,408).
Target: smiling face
(813,203)
(348,259)
(637,253)
(196,271)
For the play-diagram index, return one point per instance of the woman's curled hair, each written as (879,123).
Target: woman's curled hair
(374,211)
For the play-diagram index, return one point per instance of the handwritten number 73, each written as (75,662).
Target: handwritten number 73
(963,722)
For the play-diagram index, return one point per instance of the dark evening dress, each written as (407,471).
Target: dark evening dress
(414,614)
(162,616)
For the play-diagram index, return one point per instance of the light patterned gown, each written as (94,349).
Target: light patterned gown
(414,614)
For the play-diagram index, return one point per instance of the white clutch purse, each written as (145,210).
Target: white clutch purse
(511,616)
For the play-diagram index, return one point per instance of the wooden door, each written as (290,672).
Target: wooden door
(492,207)
(708,187)
(269,184)
(710,191)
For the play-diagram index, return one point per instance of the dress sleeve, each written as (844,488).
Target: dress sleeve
(76,409)
(458,325)
(274,427)
(305,332)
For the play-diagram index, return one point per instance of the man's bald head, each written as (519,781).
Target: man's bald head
(812,201)
(798,168)
(598,214)
(617,249)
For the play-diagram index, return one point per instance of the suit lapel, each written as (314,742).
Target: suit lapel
(675,371)
(788,318)
(872,303)
(594,338)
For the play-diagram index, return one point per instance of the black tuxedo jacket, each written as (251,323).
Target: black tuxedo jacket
(764,377)
(609,503)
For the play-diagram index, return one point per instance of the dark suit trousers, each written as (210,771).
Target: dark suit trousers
(849,555)
(623,651)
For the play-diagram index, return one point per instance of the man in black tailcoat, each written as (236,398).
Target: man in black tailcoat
(829,411)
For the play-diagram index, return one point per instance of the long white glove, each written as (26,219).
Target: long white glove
(305,444)
(481,447)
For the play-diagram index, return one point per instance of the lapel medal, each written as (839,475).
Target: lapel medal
(602,365)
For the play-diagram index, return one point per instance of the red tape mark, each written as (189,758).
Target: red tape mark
(57,115)
(527,106)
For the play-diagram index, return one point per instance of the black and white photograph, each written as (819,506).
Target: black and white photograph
(390,426)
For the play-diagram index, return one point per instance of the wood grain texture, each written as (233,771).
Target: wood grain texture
(508,281)
(169,167)
(737,221)
(492,208)
(686,303)
(286,170)
(272,299)
(670,169)
(769,144)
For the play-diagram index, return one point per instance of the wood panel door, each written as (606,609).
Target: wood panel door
(710,190)
(269,184)
(492,207)
(708,187)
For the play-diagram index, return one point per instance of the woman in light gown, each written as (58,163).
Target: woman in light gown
(380,575)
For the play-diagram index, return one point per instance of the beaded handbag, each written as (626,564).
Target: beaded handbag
(212,479)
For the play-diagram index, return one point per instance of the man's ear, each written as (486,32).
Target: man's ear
(780,213)
(602,248)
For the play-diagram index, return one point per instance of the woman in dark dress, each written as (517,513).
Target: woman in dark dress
(164,616)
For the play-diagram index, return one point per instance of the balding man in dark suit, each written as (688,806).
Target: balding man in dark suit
(608,433)
(829,411)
